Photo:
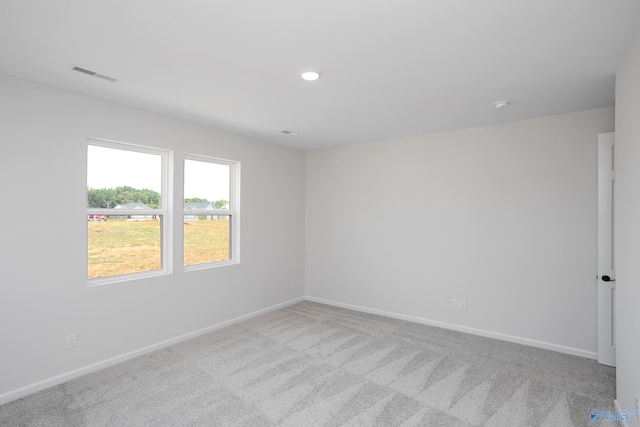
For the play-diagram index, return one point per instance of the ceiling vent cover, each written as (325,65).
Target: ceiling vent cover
(94,73)
(288,132)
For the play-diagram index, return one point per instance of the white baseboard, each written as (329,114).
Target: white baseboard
(616,405)
(466,329)
(59,379)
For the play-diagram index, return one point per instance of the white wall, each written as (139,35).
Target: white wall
(627,228)
(502,216)
(43,292)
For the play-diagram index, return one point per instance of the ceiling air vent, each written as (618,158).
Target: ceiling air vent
(288,132)
(93,73)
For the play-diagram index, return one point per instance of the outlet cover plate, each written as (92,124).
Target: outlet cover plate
(72,341)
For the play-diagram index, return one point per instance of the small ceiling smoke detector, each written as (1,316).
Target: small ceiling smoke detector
(501,104)
(80,69)
(310,75)
(288,132)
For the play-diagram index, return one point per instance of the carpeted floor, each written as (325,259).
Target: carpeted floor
(316,365)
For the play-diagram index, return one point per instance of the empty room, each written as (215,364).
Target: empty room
(348,213)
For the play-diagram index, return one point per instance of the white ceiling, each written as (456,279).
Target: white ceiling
(389,68)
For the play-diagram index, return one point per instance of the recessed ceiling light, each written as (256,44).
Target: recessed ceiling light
(501,104)
(288,132)
(310,75)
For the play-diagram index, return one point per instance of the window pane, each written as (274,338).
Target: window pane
(122,179)
(123,246)
(124,209)
(206,238)
(206,182)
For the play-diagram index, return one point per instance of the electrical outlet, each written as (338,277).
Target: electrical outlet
(293,283)
(456,303)
(463,304)
(72,341)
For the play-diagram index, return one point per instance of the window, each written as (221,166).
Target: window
(210,211)
(127,211)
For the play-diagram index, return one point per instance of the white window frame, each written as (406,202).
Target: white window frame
(165,210)
(233,212)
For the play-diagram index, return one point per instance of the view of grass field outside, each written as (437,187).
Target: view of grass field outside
(121,246)
(121,182)
(206,240)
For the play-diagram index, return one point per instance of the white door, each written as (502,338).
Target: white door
(606,266)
